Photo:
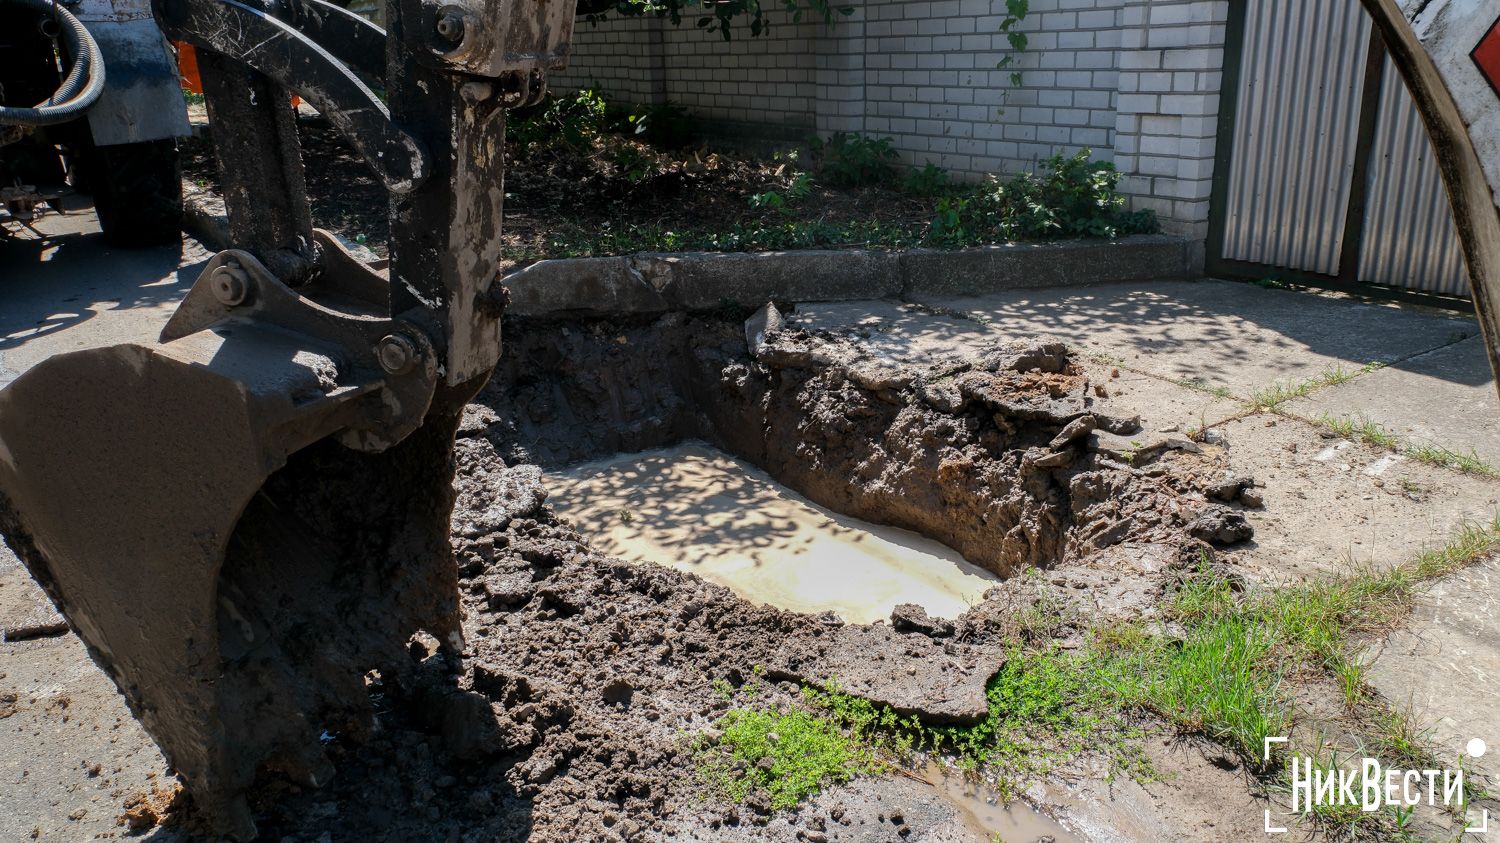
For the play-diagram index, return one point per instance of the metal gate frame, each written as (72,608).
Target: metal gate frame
(1347,279)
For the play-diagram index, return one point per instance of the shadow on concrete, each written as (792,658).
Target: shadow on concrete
(70,275)
(1226,333)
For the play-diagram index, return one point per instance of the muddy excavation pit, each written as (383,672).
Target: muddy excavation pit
(585,676)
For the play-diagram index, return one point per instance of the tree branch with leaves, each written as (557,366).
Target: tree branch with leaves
(713,15)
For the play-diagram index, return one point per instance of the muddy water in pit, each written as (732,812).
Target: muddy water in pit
(986,815)
(698,509)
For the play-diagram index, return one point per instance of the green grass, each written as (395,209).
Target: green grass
(1220,681)
(1469,463)
(1361,429)
(1045,706)
(1280,392)
(791,754)
(1228,674)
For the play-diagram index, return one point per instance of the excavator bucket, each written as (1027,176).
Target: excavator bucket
(246,517)
(234,568)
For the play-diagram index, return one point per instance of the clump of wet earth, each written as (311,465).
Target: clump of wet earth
(584,678)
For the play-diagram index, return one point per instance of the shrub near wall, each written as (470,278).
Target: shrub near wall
(1136,81)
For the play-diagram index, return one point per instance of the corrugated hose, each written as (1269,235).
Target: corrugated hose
(85,79)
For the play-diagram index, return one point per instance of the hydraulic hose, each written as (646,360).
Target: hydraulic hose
(84,82)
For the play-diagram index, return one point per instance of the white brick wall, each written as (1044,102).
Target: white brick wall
(1135,80)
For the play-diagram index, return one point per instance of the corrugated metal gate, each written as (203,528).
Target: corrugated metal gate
(1328,175)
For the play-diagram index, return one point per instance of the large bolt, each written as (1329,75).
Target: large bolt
(450,25)
(397,354)
(230,285)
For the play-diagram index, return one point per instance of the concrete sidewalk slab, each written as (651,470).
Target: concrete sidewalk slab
(1162,405)
(1330,502)
(898,332)
(1445,397)
(1445,665)
(69,290)
(1219,333)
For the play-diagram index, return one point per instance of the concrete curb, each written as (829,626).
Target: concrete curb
(655,283)
(659,282)
(203,216)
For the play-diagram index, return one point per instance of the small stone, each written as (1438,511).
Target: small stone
(1121,426)
(759,327)
(909,617)
(1128,449)
(1221,526)
(1055,459)
(1229,488)
(1074,431)
(1252,498)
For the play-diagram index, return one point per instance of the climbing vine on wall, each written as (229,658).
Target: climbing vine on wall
(1015,13)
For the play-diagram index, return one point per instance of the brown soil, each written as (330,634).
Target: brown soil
(583,198)
(584,677)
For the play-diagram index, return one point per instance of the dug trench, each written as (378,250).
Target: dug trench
(588,683)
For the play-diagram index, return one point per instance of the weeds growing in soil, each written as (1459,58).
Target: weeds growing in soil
(790,754)
(853,160)
(1362,429)
(1222,665)
(1070,196)
(1045,706)
(1279,393)
(1225,677)
(1469,463)
(588,177)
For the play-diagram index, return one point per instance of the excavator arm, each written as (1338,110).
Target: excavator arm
(244,518)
